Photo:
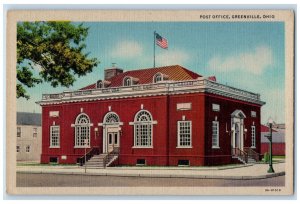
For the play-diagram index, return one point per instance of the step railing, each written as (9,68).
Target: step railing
(240,154)
(251,153)
(94,151)
(110,156)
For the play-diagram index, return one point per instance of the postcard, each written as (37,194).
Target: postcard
(148,102)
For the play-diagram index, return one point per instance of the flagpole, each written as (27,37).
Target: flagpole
(154,49)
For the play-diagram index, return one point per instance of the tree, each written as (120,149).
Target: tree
(56,49)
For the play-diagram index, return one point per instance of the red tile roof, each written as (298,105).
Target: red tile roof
(145,76)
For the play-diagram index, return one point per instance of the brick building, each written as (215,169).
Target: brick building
(164,116)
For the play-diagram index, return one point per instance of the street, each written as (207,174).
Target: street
(57,180)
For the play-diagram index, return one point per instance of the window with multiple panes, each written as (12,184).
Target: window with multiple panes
(253,135)
(18,149)
(215,134)
(34,132)
(253,114)
(82,130)
(158,77)
(28,148)
(184,134)
(18,131)
(54,136)
(143,129)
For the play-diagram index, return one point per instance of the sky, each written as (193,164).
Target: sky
(245,55)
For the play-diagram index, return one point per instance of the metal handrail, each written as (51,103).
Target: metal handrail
(107,157)
(88,156)
(241,154)
(251,153)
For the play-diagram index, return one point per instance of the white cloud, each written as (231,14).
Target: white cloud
(127,49)
(254,62)
(275,105)
(168,57)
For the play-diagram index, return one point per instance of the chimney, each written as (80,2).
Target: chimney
(112,72)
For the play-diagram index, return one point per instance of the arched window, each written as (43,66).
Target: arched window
(82,130)
(157,78)
(111,117)
(127,81)
(143,127)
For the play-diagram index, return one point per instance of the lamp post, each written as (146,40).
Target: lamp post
(270,122)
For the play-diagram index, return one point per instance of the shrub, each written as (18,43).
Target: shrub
(266,157)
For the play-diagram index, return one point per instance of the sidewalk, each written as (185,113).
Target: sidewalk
(256,171)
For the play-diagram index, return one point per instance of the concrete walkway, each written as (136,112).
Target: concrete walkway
(256,171)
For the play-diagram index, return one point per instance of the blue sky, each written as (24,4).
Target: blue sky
(246,55)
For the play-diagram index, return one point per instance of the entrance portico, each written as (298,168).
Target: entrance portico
(111,131)
(237,127)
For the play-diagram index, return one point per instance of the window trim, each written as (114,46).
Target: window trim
(218,135)
(135,123)
(253,133)
(51,145)
(156,75)
(178,135)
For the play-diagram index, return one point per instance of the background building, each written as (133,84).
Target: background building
(278,138)
(29,136)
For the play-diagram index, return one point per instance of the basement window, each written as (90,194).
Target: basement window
(53,160)
(141,162)
(183,162)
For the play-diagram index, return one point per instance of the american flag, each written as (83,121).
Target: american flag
(161,42)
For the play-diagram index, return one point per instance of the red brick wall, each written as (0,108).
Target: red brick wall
(277,148)
(227,107)
(164,111)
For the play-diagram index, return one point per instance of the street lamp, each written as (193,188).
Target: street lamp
(270,123)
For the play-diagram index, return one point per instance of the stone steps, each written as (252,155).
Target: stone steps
(97,161)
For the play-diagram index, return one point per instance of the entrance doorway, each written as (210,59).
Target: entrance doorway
(112,141)
(111,132)
(237,127)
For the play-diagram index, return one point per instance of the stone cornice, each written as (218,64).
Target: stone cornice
(162,88)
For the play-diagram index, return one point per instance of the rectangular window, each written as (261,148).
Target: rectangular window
(253,137)
(54,136)
(28,148)
(215,107)
(18,131)
(253,114)
(34,132)
(215,134)
(109,138)
(116,139)
(184,134)
(18,148)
